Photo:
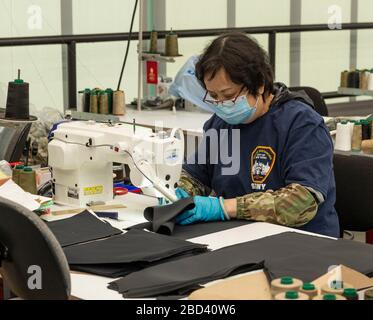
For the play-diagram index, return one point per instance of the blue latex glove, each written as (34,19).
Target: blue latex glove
(206,209)
(181,193)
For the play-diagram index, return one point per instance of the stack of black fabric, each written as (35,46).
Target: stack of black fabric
(94,246)
(81,228)
(128,252)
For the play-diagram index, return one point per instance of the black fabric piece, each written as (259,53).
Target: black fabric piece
(287,254)
(201,229)
(128,252)
(162,218)
(141,226)
(312,263)
(81,228)
(186,282)
(117,270)
(132,246)
(184,274)
(198,229)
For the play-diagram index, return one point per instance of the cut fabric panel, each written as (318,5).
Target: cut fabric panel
(204,228)
(117,270)
(311,264)
(125,253)
(198,229)
(162,218)
(81,228)
(183,275)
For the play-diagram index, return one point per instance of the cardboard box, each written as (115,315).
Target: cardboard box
(255,286)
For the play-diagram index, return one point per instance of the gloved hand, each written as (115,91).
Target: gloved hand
(206,209)
(181,193)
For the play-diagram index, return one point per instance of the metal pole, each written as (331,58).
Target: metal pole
(159,16)
(353,39)
(196,33)
(66,29)
(71,70)
(354,35)
(295,44)
(272,50)
(139,82)
(231,13)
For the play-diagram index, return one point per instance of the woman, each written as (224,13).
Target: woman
(285,174)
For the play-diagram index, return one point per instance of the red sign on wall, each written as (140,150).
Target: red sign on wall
(152,72)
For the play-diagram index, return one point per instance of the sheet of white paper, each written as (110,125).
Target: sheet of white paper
(253,231)
(11,191)
(91,287)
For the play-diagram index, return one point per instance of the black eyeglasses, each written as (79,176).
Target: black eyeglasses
(225,103)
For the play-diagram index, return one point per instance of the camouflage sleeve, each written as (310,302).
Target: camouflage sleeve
(291,206)
(192,185)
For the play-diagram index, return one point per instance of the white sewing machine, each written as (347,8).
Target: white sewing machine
(82,152)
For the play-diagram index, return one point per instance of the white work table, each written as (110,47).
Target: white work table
(188,121)
(91,287)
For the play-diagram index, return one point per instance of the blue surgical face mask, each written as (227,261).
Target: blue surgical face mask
(239,112)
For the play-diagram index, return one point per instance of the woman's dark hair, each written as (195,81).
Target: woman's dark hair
(244,60)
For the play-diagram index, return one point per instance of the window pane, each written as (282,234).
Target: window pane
(41,67)
(99,65)
(365,9)
(319,67)
(323,11)
(96,16)
(324,54)
(251,13)
(25,18)
(283,65)
(196,14)
(364,38)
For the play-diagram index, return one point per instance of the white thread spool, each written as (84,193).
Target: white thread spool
(343,137)
(370,81)
(80,101)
